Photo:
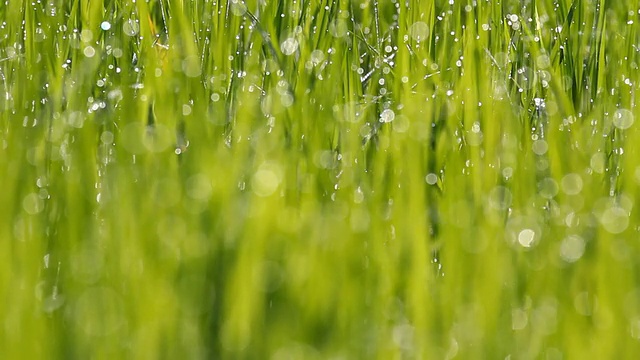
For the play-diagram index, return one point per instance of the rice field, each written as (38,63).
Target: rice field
(314,179)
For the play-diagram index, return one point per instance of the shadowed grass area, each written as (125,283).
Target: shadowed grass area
(319,179)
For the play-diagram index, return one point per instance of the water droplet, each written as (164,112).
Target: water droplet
(130,27)
(317,56)
(540,147)
(289,46)
(431,178)
(238,8)
(615,219)
(572,248)
(105,25)
(387,116)
(358,196)
(89,51)
(266,179)
(523,231)
(32,204)
(338,28)
(500,198)
(191,66)
(286,99)
(106,137)
(419,31)
(623,119)
(75,119)
(543,61)
(527,237)
(571,184)
(598,162)
(548,188)
(401,124)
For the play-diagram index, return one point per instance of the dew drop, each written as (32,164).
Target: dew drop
(572,248)
(419,31)
(623,119)
(387,116)
(289,46)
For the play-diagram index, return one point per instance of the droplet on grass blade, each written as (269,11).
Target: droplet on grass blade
(615,220)
(52,302)
(500,198)
(475,136)
(571,184)
(86,35)
(523,231)
(286,99)
(32,204)
(317,56)
(539,147)
(115,95)
(623,119)
(238,8)
(358,195)
(401,124)
(572,248)
(157,138)
(89,51)
(289,46)
(431,178)
(598,162)
(191,66)
(338,28)
(266,179)
(526,237)
(548,188)
(75,119)
(543,61)
(387,116)
(419,31)
(131,27)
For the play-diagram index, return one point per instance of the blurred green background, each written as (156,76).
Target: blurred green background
(307,179)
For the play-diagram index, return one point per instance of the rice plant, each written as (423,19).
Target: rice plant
(311,179)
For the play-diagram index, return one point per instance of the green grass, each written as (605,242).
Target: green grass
(319,179)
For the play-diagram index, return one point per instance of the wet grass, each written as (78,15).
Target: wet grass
(319,179)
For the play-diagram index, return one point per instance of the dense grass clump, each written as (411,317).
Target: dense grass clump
(310,179)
